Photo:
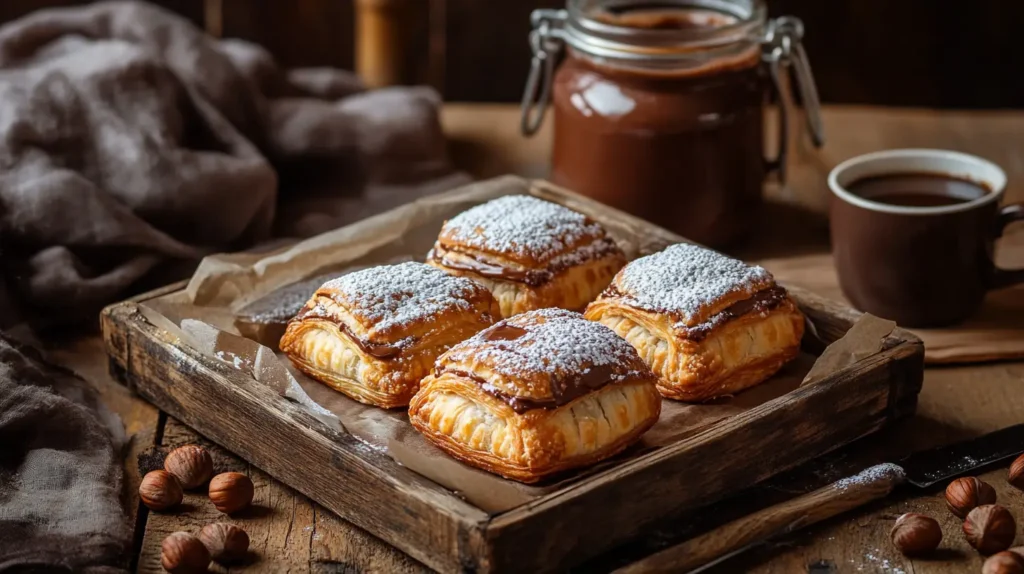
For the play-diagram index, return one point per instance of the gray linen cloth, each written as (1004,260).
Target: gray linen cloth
(60,471)
(132,144)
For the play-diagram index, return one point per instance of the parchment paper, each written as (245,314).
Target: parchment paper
(865,338)
(217,306)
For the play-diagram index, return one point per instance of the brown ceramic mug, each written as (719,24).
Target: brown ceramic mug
(921,266)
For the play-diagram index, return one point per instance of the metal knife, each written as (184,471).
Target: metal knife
(921,470)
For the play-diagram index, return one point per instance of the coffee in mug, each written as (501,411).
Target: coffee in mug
(918,189)
(913,234)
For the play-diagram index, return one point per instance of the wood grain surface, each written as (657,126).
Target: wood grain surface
(287,531)
(841,496)
(436,526)
(228,406)
(955,402)
(914,52)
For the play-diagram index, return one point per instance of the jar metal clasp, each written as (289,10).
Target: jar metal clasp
(783,48)
(545,43)
(782,52)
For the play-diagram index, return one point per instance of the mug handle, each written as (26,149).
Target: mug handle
(1007,277)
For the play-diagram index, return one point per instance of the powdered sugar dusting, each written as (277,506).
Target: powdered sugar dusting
(391,296)
(685,279)
(521,225)
(872,474)
(558,342)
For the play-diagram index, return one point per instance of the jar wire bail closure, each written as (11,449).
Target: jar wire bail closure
(781,46)
(545,46)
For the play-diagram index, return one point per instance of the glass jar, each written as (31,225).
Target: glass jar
(659,106)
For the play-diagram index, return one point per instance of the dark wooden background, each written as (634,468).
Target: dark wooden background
(891,52)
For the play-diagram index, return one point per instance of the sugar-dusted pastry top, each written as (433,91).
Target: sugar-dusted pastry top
(693,284)
(528,232)
(544,359)
(392,305)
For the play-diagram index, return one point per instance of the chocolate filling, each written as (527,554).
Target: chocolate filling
(763,300)
(531,277)
(376,350)
(562,392)
(504,332)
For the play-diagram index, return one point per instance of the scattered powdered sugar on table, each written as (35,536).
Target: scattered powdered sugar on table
(871,474)
(555,341)
(882,563)
(395,295)
(521,225)
(684,279)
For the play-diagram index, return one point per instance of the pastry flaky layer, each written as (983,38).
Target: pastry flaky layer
(707,325)
(530,253)
(375,334)
(540,393)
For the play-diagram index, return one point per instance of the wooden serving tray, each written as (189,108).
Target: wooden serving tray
(574,522)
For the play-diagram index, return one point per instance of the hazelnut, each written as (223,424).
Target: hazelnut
(965,494)
(1016,477)
(227,543)
(182,553)
(160,490)
(916,534)
(990,528)
(231,492)
(191,464)
(1004,563)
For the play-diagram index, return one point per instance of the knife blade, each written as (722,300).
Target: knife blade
(920,470)
(929,467)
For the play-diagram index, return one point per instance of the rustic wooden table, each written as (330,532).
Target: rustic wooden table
(291,533)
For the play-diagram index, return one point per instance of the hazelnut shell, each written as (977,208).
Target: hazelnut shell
(191,464)
(160,490)
(965,494)
(182,553)
(990,528)
(1016,476)
(915,534)
(1004,563)
(231,492)
(227,543)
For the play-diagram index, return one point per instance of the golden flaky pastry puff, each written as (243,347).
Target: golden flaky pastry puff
(375,333)
(708,325)
(542,392)
(530,253)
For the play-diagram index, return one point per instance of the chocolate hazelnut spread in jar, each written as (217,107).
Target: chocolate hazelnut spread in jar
(659,106)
